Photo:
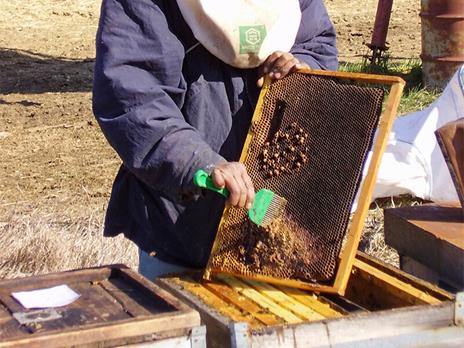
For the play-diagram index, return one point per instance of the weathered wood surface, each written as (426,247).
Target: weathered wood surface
(96,333)
(405,277)
(115,304)
(411,266)
(94,274)
(430,326)
(375,290)
(439,231)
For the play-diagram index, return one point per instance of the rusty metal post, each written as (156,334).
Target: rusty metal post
(379,36)
(442,40)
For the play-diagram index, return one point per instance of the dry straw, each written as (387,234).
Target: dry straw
(35,241)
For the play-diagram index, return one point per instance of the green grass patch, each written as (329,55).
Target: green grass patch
(415,96)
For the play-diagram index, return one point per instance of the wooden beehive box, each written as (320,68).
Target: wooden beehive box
(383,306)
(116,307)
(439,230)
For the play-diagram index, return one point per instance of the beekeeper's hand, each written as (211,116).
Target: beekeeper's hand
(234,177)
(278,65)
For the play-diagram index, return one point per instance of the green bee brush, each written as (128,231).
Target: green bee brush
(266,207)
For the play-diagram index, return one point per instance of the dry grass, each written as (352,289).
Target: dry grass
(36,241)
(46,238)
(373,238)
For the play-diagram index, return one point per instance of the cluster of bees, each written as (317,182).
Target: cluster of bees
(261,245)
(286,152)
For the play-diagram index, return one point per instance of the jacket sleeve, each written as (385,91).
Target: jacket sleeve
(315,42)
(138,92)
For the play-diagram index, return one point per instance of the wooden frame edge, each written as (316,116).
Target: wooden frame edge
(348,253)
(95,333)
(368,78)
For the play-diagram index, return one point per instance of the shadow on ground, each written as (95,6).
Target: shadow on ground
(26,72)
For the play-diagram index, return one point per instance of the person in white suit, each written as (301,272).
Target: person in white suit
(413,162)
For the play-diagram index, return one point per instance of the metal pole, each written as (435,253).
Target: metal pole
(379,36)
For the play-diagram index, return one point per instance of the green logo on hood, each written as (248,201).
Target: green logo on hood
(251,38)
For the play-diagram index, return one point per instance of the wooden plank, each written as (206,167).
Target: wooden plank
(277,281)
(318,337)
(348,253)
(260,299)
(372,296)
(95,312)
(390,323)
(9,303)
(53,279)
(317,303)
(217,303)
(345,304)
(137,300)
(94,306)
(404,291)
(162,298)
(4,314)
(148,341)
(431,289)
(366,78)
(11,329)
(304,312)
(449,337)
(230,296)
(103,332)
(128,304)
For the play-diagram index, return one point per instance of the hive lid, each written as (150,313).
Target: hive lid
(116,307)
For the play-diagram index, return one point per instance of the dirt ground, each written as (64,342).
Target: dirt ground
(53,157)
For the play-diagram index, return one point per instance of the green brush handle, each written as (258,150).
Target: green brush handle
(203,180)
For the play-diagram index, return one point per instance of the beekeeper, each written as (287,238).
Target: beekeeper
(175,86)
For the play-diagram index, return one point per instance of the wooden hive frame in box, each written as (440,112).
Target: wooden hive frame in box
(382,307)
(344,257)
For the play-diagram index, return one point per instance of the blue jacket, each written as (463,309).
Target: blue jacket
(168,113)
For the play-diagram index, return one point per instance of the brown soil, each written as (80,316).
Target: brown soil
(53,156)
(354,21)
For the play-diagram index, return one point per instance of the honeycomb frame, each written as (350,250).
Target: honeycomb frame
(343,258)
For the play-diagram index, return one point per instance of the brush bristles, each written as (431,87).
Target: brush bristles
(275,210)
